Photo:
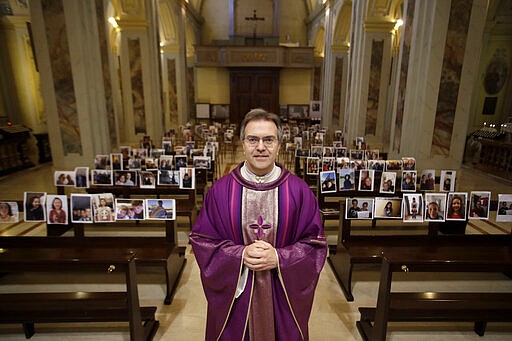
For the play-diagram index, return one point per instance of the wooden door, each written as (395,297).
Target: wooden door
(253,88)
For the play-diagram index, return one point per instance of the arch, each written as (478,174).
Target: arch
(167,24)
(342,27)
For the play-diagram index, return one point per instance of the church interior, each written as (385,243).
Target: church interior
(85,82)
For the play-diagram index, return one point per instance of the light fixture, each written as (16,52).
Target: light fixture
(398,23)
(113,22)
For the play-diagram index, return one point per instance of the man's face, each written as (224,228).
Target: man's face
(260,158)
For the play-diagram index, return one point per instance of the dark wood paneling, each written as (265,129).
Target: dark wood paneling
(253,88)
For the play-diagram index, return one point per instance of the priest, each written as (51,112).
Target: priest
(259,243)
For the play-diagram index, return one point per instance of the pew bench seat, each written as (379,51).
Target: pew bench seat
(56,307)
(476,307)
(147,251)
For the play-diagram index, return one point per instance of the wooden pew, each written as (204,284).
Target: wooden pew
(367,249)
(490,254)
(30,308)
(160,251)
(185,198)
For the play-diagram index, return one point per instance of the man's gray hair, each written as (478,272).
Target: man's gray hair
(261,114)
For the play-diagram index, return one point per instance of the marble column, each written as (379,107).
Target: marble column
(20,80)
(328,69)
(139,71)
(370,61)
(173,59)
(442,67)
(68,53)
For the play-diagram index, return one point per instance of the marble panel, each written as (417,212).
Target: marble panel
(139,115)
(372,106)
(107,81)
(456,39)
(337,86)
(172,95)
(60,60)
(404,67)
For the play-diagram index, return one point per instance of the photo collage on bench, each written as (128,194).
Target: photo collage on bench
(416,197)
(144,166)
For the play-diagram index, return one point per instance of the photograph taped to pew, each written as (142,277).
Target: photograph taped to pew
(166,162)
(447,181)
(129,209)
(34,203)
(366,178)
(479,205)
(388,208)
(328,164)
(57,209)
(359,208)
(435,204)
(64,178)
(393,165)
(408,163)
(456,206)
(428,180)
(409,181)
(504,207)
(101,161)
(388,182)
(168,178)
(376,165)
(147,179)
(161,209)
(103,208)
(328,181)
(187,178)
(347,179)
(313,163)
(102,177)
(9,212)
(82,177)
(413,208)
(81,208)
(116,161)
(125,178)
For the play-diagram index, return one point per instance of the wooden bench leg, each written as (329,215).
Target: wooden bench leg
(480,327)
(342,268)
(173,270)
(28,329)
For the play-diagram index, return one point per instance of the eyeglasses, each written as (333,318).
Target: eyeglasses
(268,141)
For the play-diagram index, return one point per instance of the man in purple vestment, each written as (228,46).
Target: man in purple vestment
(259,243)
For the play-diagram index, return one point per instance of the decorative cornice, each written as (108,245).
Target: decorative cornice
(254,56)
(379,26)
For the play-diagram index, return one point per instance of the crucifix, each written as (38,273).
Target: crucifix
(254,18)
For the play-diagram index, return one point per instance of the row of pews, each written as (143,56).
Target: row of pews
(433,247)
(100,255)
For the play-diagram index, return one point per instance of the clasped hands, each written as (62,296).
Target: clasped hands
(260,256)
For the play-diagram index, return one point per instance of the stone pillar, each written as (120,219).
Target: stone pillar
(329,68)
(69,57)
(370,66)
(354,117)
(442,66)
(20,80)
(139,71)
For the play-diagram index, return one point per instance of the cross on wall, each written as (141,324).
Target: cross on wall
(255,19)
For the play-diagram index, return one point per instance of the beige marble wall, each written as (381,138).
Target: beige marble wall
(372,107)
(454,52)
(62,77)
(402,76)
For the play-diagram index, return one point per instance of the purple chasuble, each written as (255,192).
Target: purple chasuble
(235,213)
